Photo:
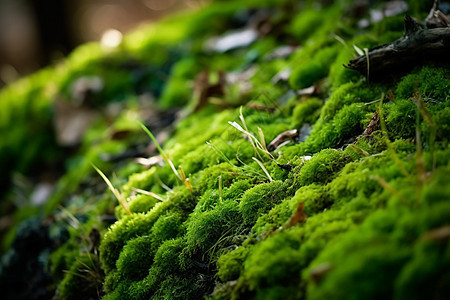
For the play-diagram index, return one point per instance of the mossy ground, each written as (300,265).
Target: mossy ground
(377,205)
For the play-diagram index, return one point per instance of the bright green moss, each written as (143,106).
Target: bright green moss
(344,126)
(322,167)
(401,119)
(125,229)
(131,226)
(135,258)
(306,112)
(260,199)
(426,274)
(431,81)
(167,277)
(230,265)
(338,75)
(274,219)
(370,218)
(211,197)
(274,263)
(315,197)
(369,276)
(167,227)
(141,180)
(142,203)
(208,230)
(312,71)
(209,178)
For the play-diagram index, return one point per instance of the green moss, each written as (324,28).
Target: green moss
(315,197)
(401,119)
(426,274)
(376,223)
(273,264)
(260,199)
(379,265)
(306,112)
(317,68)
(135,259)
(142,203)
(167,227)
(322,167)
(131,226)
(230,265)
(208,230)
(209,177)
(274,219)
(431,81)
(84,279)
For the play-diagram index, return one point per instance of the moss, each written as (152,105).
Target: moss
(317,68)
(135,259)
(168,226)
(209,177)
(315,197)
(84,279)
(208,230)
(376,224)
(338,75)
(426,274)
(142,203)
(259,200)
(400,119)
(211,197)
(274,219)
(431,81)
(306,112)
(379,265)
(322,167)
(230,265)
(131,226)
(273,264)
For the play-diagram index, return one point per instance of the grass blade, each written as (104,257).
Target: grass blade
(116,193)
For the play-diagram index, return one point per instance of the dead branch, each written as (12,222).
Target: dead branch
(418,44)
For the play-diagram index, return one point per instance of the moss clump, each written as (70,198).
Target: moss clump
(135,258)
(274,276)
(432,82)
(312,71)
(306,112)
(142,203)
(208,229)
(260,199)
(230,265)
(400,119)
(84,279)
(322,167)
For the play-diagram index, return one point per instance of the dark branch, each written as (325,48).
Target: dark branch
(418,44)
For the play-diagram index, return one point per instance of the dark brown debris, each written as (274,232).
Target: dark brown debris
(298,217)
(374,125)
(419,44)
(204,89)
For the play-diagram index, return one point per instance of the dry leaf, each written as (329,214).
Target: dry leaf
(282,139)
(298,217)
(204,89)
(374,125)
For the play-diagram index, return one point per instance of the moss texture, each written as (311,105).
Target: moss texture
(330,214)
